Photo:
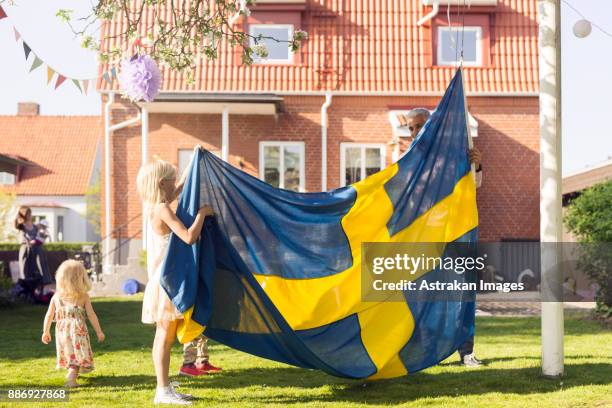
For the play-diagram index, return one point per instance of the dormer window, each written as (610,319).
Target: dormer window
(450,40)
(278,51)
(474,37)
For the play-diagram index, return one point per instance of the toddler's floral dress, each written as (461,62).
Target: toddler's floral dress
(71,337)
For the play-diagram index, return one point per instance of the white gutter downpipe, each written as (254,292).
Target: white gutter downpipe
(144,142)
(326,104)
(434,12)
(225,134)
(107,217)
(108,129)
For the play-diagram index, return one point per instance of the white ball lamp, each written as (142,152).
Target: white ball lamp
(582,28)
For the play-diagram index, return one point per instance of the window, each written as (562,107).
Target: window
(36,219)
(60,228)
(449,42)
(281,164)
(278,52)
(358,161)
(184,157)
(7,178)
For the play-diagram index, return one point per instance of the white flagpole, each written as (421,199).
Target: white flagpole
(550,186)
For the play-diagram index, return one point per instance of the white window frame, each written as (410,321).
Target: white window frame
(178,162)
(362,146)
(7,178)
(281,145)
(479,49)
(290,54)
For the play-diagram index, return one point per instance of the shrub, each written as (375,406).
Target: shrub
(5,288)
(49,247)
(589,218)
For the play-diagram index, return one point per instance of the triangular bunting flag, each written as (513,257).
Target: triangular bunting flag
(17,35)
(85,85)
(76,83)
(2,13)
(50,73)
(37,63)
(107,78)
(114,72)
(26,49)
(60,80)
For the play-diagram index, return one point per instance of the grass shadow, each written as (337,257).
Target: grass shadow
(454,382)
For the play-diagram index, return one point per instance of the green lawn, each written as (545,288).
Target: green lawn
(124,372)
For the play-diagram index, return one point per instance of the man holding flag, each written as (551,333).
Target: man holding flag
(414,120)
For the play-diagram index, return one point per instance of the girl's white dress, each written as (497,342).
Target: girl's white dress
(156,305)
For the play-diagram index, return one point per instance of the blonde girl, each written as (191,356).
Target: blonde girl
(157,186)
(69,308)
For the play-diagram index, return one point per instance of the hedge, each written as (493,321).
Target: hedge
(49,247)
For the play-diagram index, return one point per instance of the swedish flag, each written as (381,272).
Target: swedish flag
(277,273)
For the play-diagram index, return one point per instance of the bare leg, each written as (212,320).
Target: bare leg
(71,377)
(162,344)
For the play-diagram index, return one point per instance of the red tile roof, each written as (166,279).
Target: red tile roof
(61,148)
(360,46)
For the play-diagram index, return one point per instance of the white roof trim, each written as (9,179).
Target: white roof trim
(605,163)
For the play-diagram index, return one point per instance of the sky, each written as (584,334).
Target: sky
(586,72)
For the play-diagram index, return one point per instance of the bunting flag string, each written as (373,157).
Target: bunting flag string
(37,63)
(26,49)
(81,84)
(50,74)
(60,80)
(77,84)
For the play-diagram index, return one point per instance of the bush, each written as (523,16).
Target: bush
(589,218)
(5,288)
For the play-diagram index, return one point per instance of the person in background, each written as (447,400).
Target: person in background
(44,235)
(414,121)
(195,358)
(32,259)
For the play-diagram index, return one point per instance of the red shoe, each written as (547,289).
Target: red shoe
(190,370)
(208,368)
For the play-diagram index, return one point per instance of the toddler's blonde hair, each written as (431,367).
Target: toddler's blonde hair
(71,280)
(149,178)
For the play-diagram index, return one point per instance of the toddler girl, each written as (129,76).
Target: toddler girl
(157,186)
(69,308)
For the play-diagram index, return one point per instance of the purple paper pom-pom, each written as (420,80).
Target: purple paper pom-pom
(140,78)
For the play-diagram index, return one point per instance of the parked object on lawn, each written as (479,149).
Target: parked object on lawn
(130,287)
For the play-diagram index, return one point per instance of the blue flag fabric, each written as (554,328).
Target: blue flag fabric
(276,273)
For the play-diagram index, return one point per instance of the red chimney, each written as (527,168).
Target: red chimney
(28,109)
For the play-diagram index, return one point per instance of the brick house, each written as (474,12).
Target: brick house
(49,162)
(363,63)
